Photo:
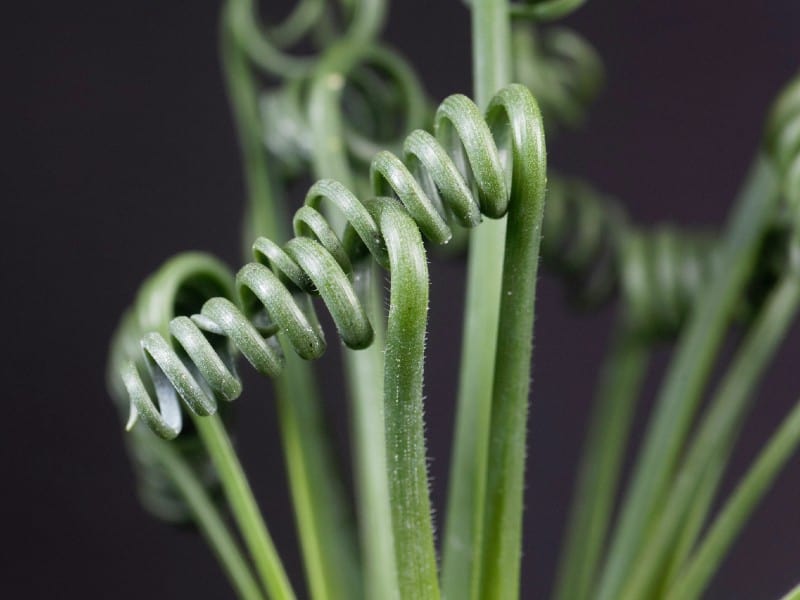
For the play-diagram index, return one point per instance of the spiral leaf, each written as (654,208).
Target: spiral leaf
(434,182)
(181,284)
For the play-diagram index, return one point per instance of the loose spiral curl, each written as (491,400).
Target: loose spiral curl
(783,144)
(267,46)
(783,147)
(462,173)
(561,68)
(379,88)
(589,243)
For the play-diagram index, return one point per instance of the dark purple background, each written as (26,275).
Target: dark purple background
(121,152)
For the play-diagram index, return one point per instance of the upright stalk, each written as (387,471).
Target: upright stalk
(323,514)
(491,34)
(405,434)
(501,535)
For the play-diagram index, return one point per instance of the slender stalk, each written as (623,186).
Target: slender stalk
(599,473)
(364,368)
(693,523)
(244,508)
(707,456)
(779,309)
(208,519)
(688,374)
(330,548)
(462,531)
(405,430)
(491,52)
(693,579)
(322,512)
(502,526)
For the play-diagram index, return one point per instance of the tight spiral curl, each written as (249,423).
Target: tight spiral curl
(469,169)
(180,286)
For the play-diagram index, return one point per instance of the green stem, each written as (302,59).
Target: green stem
(781,308)
(707,456)
(693,579)
(364,368)
(502,526)
(208,519)
(491,52)
(462,531)
(324,518)
(405,431)
(599,473)
(693,523)
(322,512)
(688,374)
(244,508)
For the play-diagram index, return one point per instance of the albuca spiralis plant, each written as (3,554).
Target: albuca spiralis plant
(335,116)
